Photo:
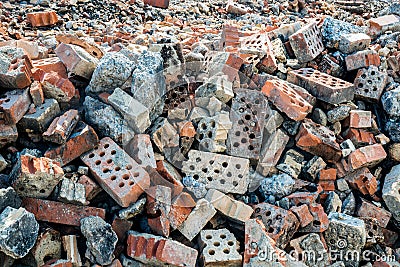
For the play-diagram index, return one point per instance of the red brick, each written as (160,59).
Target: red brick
(36,92)
(363,181)
(150,248)
(320,222)
(359,137)
(181,206)
(168,171)
(390,237)
(116,172)
(327,185)
(286,99)
(91,48)
(57,87)
(82,139)
(307,43)
(8,134)
(227,63)
(299,198)
(303,214)
(50,64)
(360,119)
(282,223)
(323,86)
(58,263)
(38,19)
(157,179)
(57,212)
(13,105)
(318,140)
(368,156)
(91,187)
(327,179)
(61,127)
(157,3)
(121,227)
(367,209)
(381,24)
(187,129)
(236,8)
(362,59)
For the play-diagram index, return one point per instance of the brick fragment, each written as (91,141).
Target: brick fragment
(320,222)
(360,119)
(35,177)
(48,65)
(353,42)
(367,209)
(89,46)
(362,59)
(227,63)
(318,140)
(13,105)
(307,42)
(91,187)
(382,24)
(36,92)
(303,214)
(16,68)
(57,212)
(117,173)
(225,173)
(369,83)
(155,250)
(359,137)
(164,135)
(76,59)
(81,140)
(71,192)
(157,3)
(38,19)
(228,206)
(219,247)
(48,245)
(8,134)
(71,247)
(181,207)
(323,86)
(197,219)
(391,192)
(367,156)
(61,127)
(57,87)
(158,206)
(286,99)
(168,171)
(363,181)
(282,224)
(157,179)
(141,150)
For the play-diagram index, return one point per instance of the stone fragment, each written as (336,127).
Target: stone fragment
(334,29)
(111,72)
(345,234)
(13,106)
(362,59)
(61,127)
(391,102)
(8,134)
(19,230)
(218,86)
(154,250)
(35,177)
(77,60)
(332,203)
(71,192)
(225,173)
(212,133)
(61,213)
(353,42)
(320,222)
(390,192)
(181,207)
(323,86)
(40,120)
(133,210)
(349,205)
(234,209)
(100,239)
(197,219)
(223,62)
(158,207)
(303,214)
(313,167)
(219,247)
(307,42)
(163,134)
(36,93)
(116,172)
(278,186)
(39,19)
(9,198)
(308,244)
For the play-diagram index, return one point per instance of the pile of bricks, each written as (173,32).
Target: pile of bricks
(218,147)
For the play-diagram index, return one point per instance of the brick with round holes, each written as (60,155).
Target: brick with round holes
(281,224)
(307,42)
(248,112)
(225,173)
(370,83)
(117,173)
(13,105)
(286,99)
(323,86)
(219,248)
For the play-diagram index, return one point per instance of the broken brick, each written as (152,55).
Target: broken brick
(38,19)
(367,209)
(367,156)
(362,59)
(61,127)
(13,105)
(363,181)
(57,87)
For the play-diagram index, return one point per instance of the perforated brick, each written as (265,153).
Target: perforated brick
(286,99)
(353,42)
(369,84)
(117,173)
(281,224)
(318,140)
(13,105)
(219,247)
(248,112)
(323,86)
(225,173)
(307,42)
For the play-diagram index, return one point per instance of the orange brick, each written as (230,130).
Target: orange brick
(327,185)
(91,187)
(368,156)
(359,137)
(157,3)
(61,213)
(362,59)
(38,19)
(320,222)
(363,181)
(318,140)
(303,214)
(91,48)
(50,64)
(61,127)
(116,172)
(13,105)
(58,263)
(36,93)
(360,119)
(327,175)
(157,179)
(57,87)
(286,99)
(367,209)
(299,198)
(181,206)
(82,139)
(187,130)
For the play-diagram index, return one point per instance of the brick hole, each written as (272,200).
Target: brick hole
(243,99)
(237,133)
(235,183)
(257,101)
(252,136)
(369,82)
(238,166)
(247,117)
(366,90)
(201,136)
(360,85)
(203,126)
(240,176)
(226,251)
(222,181)
(244,140)
(91,155)
(236,144)
(136,174)
(241,110)
(130,183)
(42,191)
(211,252)
(270,230)
(210,134)
(113,152)
(121,184)
(222,236)
(254,112)
(117,168)
(216,171)
(229,174)
(209,179)
(198,159)
(224,164)
(212,124)
(109,161)
(105,170)
(230,243)
(378,78)
(259,217)
(208,236)
(106,146)
(205,170)
(375,227)
(97,162)
(21,189)
(268,213)
(196,177)
(278,217)
(191,167)
(316,223)
(365,179)
(128,167)
(216,244)
(41,108)
(375,89)
(101,154)
(257,210)
(125,176)
(113,178)
(370,234)
(363,76)
(251,147)
(246,129)
(7,100)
